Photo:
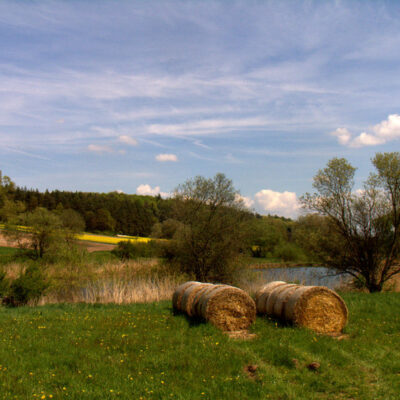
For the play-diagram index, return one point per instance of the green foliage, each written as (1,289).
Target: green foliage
(4,284)
(118,212)
(361,233)
(288,252)
(129,250)
(29,286)
(213,230)
(165,229)
(265,233)
(45,230)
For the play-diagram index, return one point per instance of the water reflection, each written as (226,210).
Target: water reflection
(318,276)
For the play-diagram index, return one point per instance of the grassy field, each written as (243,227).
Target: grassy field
(143,351)
(7,254)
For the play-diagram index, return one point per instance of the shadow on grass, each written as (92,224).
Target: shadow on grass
(192,321)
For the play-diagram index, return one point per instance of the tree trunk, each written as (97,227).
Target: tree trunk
(374,287)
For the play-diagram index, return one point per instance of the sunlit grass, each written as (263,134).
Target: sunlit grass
(145,351)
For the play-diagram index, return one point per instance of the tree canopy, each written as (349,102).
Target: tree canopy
(361,236)
(212,228)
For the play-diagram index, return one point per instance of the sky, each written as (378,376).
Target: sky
(139,96)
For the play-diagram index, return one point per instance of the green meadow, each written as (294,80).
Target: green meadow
(144,351)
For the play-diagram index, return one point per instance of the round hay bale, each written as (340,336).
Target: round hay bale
(228,308)
(280,303)
(196,303)
(189,295)
(177,296)
(317,308)
(274,298)
(263,293)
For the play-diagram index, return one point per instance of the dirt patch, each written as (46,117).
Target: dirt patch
(92,246)
(241,335)
(251,371)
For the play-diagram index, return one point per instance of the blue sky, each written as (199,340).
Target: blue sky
(140,96)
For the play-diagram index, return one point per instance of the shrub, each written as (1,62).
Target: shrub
(128,250)
(3,284)
(29,286)
(288,252)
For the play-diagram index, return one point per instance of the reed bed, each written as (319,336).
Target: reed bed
(138,281)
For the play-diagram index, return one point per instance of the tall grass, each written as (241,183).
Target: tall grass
(138,281)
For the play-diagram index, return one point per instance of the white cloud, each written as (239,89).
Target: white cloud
(147,190)
(383,132)
(100,149)
(128,140)
(166,157)
(343,135)
(247,201)
(208,126)
(280,203)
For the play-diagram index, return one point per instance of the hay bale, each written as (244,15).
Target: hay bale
(277,298)
(196,301)
(189,295)
(227,307)
(263,293)
(177,296)
(281,300)
(315,307)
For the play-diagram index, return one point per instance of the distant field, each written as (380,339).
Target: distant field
(91,241)
(90,237)
(143,351)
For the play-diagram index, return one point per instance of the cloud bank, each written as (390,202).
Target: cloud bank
(147,190)
(381,133)
(281,203)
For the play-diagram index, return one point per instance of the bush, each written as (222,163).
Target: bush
(29,286)
(4,285)
(288,252)
(127,250)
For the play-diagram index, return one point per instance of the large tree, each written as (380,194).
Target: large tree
(212,228)
(362,227)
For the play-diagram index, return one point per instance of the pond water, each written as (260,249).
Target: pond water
(318,276)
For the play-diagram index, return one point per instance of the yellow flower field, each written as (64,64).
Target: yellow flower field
(90,237)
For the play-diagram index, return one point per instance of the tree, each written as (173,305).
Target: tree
(43,229)
(212,230)
(363,226)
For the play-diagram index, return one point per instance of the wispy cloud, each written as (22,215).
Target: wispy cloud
(95,148)
(166,158)
(128,140)
(208,126)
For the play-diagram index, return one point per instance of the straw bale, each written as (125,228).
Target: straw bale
(280,303)
(276,298)
(196,301)
(228,308)
(263,293)
(189,295)
(177,296)
(317,308)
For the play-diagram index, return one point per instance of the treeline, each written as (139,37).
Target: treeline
(103,212)
(271,237)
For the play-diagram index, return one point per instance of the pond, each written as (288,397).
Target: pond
(318,276)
